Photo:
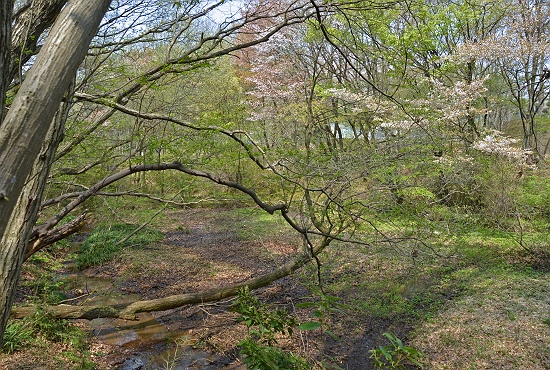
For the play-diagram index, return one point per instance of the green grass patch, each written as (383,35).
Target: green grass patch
(501,314)
(40,328)
(105,242)
(130,210)
(254,223)
(42,331)
(43,284)
(18,334)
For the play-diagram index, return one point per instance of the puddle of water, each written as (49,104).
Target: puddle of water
(178,358)
(100,290)
(125,333)
(179,354)
(147,336)
(118,332)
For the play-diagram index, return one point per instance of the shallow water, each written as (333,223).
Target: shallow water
(144,343)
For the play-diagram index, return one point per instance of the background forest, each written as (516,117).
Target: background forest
(375,169)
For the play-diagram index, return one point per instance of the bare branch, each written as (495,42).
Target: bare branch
(55,235)
(51,222)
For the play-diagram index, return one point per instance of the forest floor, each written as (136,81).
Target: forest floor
(458,312)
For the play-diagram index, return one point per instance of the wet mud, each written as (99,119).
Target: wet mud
(204,336)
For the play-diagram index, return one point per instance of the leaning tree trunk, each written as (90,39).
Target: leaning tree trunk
(23,218)
(6,11)
(25,129)
(29,24)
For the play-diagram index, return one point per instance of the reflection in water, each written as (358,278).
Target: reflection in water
(155,347)
(126,333)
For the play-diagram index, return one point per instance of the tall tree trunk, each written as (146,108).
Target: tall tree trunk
(6,12)
(24,131)
(29,24)
(529,138)
(23,218)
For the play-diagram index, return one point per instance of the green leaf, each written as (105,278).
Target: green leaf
(332,335)
(386,353)
(399,342)
(310,325)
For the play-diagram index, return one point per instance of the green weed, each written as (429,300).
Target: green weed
(103,243)
(45,285)
(260,357)
(395,355)
(41,328)
(264,323)
(17,335)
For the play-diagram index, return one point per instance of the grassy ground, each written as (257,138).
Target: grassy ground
(500,322)
(469,298)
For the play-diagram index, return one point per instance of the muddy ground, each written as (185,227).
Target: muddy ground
(205,249)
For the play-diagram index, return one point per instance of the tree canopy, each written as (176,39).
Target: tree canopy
(332,114)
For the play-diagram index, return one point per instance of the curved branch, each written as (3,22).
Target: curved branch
(214,48)
(163,117)
(50,223)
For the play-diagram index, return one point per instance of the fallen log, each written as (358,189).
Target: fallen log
(129,311)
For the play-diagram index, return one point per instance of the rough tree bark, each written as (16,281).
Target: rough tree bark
(27,125)
(6,11)
(29,24)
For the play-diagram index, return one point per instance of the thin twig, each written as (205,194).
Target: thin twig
(145,223)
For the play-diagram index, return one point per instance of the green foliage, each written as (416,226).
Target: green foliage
(263,324)
(46,285)
(418,192)
(49,289)
(60,331)
(395,355)
(39,328)
(103,243)
(260,357)
(262,321)
(18,334)
(322,310)
(535,195)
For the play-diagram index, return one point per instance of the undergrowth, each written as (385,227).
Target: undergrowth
(40,330)
(106,241)
(265,327)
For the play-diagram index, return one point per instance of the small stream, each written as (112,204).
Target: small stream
(145,343)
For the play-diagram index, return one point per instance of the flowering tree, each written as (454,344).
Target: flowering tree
(520,48)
